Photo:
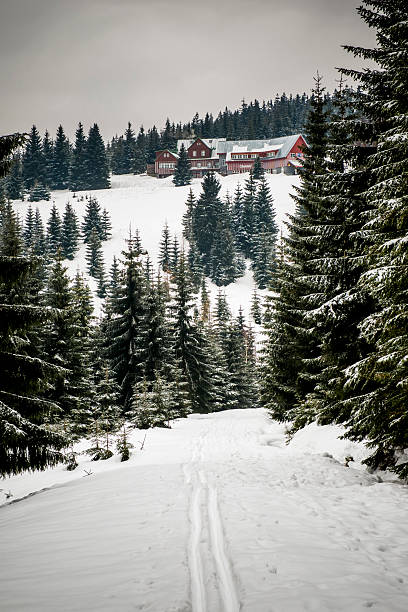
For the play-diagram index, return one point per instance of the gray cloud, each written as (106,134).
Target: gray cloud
(112,61)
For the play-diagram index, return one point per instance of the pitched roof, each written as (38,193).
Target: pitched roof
(221,146)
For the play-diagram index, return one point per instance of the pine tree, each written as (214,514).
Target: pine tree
(61,160)
(256,308)
(248,219)
(225,266)
(38,243)
(94,255)
(188,342)
(379,379)
(69,232)
(29,227)
(126,329)
(14,180)
(54,225)
(182,175)
(106,225)
(205,217)
(129,150)
(165,249)
(188,216)
(26,442)
(78,170)
(33,160)
(38,193)
(257,170)
(290,347)
(48,156)
(96,162)
(93,220)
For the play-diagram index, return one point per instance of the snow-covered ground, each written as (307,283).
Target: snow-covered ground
(217,514)
(146,203)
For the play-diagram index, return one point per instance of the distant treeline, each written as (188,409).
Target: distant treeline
(46,163)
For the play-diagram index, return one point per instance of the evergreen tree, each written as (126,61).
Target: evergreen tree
(256,308)
(38,193)
(182,175)
(96,161)
(189,343)
(94,255)
(61,160)
(48,155)
(165,249)
(379,408)
(54,225)
(257,170)
(205,217)
(26,442)
(126,329)
(291,348)
(106,225)
(69,232)
(188,216)
(33,160)
(14,180)
(78,171)
(38,243)
(93,219)
(248,219)
(225,266)
(129,150)
(29,227)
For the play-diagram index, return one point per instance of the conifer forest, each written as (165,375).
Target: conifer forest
(246,326)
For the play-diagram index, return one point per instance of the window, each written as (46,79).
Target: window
(194,153)
(203,153)
(293,154)
(198,164)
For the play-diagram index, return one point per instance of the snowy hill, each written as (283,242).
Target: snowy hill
(217,514)
(146,203)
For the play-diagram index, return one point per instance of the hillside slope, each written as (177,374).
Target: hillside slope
(146,203)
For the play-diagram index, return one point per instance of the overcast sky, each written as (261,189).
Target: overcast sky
(113,61)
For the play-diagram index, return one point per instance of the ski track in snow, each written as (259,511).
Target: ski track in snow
(195,475)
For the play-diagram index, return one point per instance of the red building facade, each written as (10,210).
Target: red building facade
(283,154)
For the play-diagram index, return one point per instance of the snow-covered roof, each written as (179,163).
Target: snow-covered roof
(221,146)
(211,143)
(296,163)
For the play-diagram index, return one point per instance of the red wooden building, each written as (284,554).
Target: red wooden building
(283,154)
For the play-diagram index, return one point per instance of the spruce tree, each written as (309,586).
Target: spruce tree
(48,156)
(126,328)
(379,378)
(93,219)
(106,225)
(61,160)
(33,160)
(78,170)
(54,238)
(96,161)
(182,175)
(14,180)
(257,170)
(188,216)
(189,343)
(39,192)
(69,232)
(26,442)
(94,255)
(165,249)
